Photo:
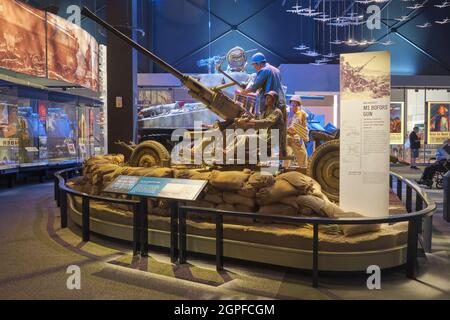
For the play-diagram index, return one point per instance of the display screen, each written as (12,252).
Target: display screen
(72,53)
(22,38)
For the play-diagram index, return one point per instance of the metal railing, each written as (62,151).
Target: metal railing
(424,209)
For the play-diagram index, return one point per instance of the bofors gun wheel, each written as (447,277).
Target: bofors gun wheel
(150,154)
(323,166)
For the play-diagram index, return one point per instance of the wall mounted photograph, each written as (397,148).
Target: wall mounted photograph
(22,38)
(72,53)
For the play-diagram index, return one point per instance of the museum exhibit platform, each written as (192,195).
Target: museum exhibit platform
(304,239)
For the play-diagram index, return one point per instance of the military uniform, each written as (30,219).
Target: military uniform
(295,142)
(268,79)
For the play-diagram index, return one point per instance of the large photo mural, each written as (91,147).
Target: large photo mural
(72,53)
(22,38)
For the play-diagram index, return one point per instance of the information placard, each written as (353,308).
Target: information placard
(122,184)
(176,189)
(365,134)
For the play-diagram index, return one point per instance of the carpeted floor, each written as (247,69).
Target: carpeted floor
(35,254)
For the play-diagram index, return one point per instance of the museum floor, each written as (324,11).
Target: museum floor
(35,254)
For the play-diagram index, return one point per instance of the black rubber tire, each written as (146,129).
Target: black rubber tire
(323,166)
(150,154)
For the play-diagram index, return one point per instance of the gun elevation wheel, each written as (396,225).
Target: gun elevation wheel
(323,167)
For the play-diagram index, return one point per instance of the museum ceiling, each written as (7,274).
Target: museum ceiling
(177,30)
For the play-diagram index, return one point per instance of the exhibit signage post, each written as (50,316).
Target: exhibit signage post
(365,133)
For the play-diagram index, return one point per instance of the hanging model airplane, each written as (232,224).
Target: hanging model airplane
(351,42)
(330,55)
(445,21)
(387,43)
(402,18)
(301,47)
(311,53)
(371,41)
(337,41)
(415,7)
(317,63)
(323,17)
(444,4)
(425,25)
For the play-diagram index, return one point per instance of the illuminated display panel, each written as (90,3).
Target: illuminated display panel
(72,53)
(22,38)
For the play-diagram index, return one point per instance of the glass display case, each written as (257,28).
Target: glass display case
(39,127)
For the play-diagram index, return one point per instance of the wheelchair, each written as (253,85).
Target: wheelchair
(438,177)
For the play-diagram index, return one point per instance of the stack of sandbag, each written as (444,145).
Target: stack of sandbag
(227,190)
(289,194)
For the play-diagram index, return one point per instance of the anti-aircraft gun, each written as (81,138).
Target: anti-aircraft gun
(153,153)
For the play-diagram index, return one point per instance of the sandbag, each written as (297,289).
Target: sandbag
(351,230)
(248,191)
(301,182)
(305,211)
(320,206)
(229,180)
(316,190)
(260,180)
(215,198)
(97,177)
(234,198)
(278,209)
(201,176)
(281,189)
(225,207)
(290,201)
(184,173)
(210,189)
(244,208)
(157,172)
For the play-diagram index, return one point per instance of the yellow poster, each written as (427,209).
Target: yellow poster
(438,122)
(397,123)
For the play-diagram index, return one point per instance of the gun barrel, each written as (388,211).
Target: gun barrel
(89,14)
(216,101)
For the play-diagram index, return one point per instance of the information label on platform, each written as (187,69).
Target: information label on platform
(365,133)
(177,189)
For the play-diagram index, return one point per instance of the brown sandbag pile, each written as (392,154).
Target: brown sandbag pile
(289,194)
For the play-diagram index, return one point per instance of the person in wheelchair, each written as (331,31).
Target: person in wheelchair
(441,164)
